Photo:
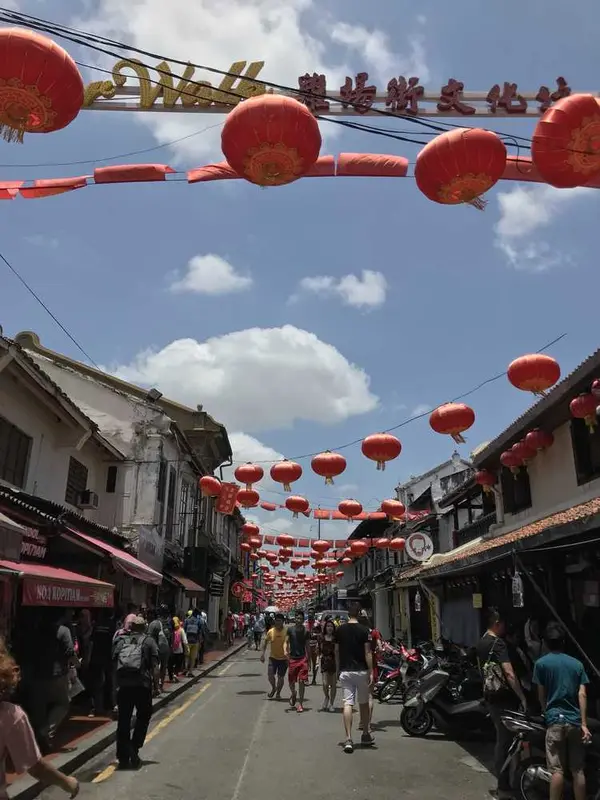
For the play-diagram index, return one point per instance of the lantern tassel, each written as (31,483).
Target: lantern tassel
(329,481)
(591,423)
(458,438)
(287,487)
(478,202)
(11,134)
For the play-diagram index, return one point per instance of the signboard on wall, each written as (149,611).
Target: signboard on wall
(151,548)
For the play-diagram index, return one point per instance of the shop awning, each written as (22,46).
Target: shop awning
(189,586)
(50,586)
(127,563)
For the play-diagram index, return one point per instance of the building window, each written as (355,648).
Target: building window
(14,454)
(76,481)
(170,518)
(111,480)
(586,450)
(161,491)
(516,491)
(184,516)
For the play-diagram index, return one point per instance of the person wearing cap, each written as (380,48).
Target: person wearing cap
(137,669)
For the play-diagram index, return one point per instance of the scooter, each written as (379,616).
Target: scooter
(397,681)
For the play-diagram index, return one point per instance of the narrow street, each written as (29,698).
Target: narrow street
(224,740)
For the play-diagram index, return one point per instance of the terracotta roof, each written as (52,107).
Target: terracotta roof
(560,518)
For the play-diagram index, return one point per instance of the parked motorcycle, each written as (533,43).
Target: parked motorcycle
(395,681)
(449,696)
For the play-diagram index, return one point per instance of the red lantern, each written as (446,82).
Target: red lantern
(296,563)
(285,540)
(347,562)
(209,486)
(397,543)
(565,146)
(286,472)
(393,508)
(286,552)
(41,89)
(511,461)
(350,508)
(255,542)
(339,574)
(271,556)
(255,576)
(453,419)
(321,546)
(264,568)
(250,529)
(249,474)
(486,479)
(297,505)
(328,465)
(534,373)
(358,547)
(315,554)
(523,451)
(381,447)
(460,165)
(596,388)
(271,140)
(539,439)
(246,547)
(382,544)
(584,407)
(254,556)
(262,553)
(248,498)
(305,562)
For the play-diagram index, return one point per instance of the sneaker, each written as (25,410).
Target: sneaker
(348,746)
(299,708)
(367,740)
(271,694)
(293,700)
(123,764)
(325,706)
(136,761)
(332,707)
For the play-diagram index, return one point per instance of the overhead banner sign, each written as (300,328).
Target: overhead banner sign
(41,592)
(135,87)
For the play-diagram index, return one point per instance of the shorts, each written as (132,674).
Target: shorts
(565,750)
(278,666)
(299,670)
(355,688)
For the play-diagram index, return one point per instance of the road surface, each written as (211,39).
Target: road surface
(226,741)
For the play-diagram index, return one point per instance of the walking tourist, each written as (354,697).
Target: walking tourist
(298,652)
(258,630)
(502,692)
(179,649)
(193,630)
(137,666)
(354,661)
(17,740)
(229,627)
(278,663)
(328,665)
(314,634)
(561,682)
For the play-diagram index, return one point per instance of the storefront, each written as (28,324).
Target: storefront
(180,592)
(41,585)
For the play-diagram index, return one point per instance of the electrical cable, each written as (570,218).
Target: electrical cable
(35,295)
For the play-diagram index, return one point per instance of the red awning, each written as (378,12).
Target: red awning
(49,586)
(127,563)
(190,586)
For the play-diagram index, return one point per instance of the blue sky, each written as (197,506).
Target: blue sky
(463,292)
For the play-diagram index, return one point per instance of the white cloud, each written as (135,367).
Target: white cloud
(422,408)
(40,240)
(367,291)
(211,274)
(524,212)
(258,378)
(284,35)
(373,47)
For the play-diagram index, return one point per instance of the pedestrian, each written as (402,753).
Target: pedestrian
(100,673)
(375,640)
(278,663)
(17,739)
(354,661)
(502,691)
(155,630)
(258,630)
(328,665)
(204,636)
(193,631)
(137,660)
(166,622)
(297,649)
(229,628)
(314,632)
(561,682)
(179,649)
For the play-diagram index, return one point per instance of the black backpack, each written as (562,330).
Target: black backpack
(130,658)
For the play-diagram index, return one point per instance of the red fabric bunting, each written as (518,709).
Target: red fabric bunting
(212,172)
(324,167)
(48,187)
(10,189)
(131,173)
(371,165)
(321,513)
(269,506)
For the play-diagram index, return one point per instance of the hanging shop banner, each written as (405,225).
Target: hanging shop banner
(226,501)
(419,546)
(40,592)
(34,545)
(151,548)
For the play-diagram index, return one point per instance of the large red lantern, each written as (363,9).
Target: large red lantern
(253,556)
(382,544)
(511,461)
(250,529)
(328,465)
(347,562)
(248,498)
(565,146)
(262,553)
(246,547)
(286,552)
(285,540)
(41,89)
(286,472)
(523,451)
(584,407)
(350,508)
(393,508)
(459,166)
(249,474)
(397,544)
(296,563)
(209,486)
(452,419)
(358,547)
(534,373)
(255,542)
(271,556)
(381,447)
(321,546)
(297,505)
(271,140)
(485,479)
(539,439)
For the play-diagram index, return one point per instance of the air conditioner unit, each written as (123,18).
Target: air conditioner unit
(88,499)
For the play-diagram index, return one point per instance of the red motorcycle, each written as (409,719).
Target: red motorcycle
(398,669)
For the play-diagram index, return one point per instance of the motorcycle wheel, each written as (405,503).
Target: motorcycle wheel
(388,690)
(526,786)
(415,724)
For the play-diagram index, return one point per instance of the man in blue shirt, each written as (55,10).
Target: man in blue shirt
(561,682)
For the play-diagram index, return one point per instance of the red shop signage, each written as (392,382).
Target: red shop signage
(40,592)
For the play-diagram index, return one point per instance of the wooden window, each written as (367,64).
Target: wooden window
(14,453)
(76,481)
(586,450)
(111,480)
(516,491)
(170,517)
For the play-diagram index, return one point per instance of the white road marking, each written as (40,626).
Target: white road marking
(257,730)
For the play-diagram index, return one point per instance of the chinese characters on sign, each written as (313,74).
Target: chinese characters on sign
(226,501)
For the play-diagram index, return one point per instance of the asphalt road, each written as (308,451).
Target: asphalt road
(226,741)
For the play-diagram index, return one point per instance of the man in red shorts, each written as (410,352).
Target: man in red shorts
(297,648)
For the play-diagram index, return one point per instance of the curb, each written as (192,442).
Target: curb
(27,788)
